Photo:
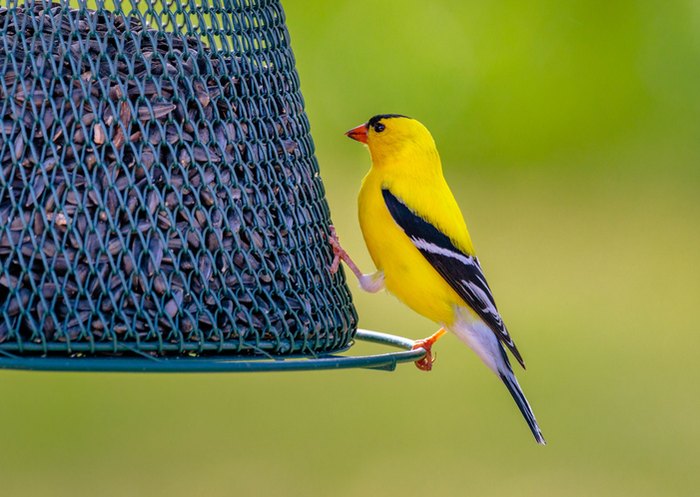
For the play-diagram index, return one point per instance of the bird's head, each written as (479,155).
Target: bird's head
(393,137)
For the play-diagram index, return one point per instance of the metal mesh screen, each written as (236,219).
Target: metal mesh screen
(158,188)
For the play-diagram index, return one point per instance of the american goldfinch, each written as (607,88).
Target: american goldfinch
(418,240)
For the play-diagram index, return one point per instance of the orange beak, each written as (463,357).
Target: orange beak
(359,133)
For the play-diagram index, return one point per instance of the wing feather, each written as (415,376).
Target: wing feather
(461,271)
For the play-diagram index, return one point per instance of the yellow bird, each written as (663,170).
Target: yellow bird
(418,240)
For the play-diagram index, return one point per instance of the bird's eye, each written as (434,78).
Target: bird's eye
(379,127)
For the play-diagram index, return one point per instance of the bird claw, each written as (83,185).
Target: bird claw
(426,363)
(335,265)
(338,251)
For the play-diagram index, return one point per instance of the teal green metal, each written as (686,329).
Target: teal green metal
(159,193)
(221,363)
(161,207)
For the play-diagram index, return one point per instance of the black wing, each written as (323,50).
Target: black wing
(462,271)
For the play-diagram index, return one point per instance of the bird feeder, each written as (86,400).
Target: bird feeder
(160,203)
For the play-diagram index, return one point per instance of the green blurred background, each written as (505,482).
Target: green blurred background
(569,132)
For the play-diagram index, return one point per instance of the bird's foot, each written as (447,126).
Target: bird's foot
(339,252)
(426,363)
(368,282)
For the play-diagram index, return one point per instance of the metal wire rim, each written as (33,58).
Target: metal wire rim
(225,364)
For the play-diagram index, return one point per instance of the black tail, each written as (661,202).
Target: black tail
(519,397)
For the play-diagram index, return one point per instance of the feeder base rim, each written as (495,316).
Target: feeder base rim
(227,364)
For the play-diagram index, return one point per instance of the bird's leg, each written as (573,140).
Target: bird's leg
(371,283)
(426,364)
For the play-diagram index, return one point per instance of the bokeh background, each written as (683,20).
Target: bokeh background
(569,132)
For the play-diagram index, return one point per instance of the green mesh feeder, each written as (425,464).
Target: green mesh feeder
(160,203)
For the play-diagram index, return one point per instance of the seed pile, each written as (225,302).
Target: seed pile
(146,192)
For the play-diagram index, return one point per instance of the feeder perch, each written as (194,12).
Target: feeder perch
(160,203)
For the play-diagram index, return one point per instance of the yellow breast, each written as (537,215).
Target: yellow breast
(407,274)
